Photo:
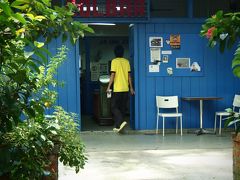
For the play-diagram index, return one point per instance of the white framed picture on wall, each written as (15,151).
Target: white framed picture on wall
(182,62)
(155,41)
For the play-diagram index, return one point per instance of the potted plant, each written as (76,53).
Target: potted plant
(224,29)
(25,78)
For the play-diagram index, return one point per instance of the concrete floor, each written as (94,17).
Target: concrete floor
(151,157)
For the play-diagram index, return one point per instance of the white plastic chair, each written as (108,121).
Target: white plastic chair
(164,102)
(236,104)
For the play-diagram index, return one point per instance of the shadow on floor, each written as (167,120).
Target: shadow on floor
(90,124)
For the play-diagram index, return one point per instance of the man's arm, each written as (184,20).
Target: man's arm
(130,84)
(111,81)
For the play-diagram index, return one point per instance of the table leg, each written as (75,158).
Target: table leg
(201,114)
(201,130)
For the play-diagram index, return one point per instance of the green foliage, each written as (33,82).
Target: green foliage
(31,144)
(224,29)
(71,148)
(234,118)
(33,140)
(23,23)
(26,76)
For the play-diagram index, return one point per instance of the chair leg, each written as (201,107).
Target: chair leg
(163,125)
(157,124)
(176,125)
(215,123)
(181,124)
(220,125)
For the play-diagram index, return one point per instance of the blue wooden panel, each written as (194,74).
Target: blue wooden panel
(216,78)
(53,50)
(151,105)
(141,75)
(136,78)
(185,91)
(68,94)
(131,59)
(72,79)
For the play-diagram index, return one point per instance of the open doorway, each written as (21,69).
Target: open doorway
(96,52)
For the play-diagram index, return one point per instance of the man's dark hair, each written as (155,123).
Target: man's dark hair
(119,51)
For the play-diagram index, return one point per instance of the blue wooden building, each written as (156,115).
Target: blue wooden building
(157,21)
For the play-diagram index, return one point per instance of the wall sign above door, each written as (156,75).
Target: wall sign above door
(111,8)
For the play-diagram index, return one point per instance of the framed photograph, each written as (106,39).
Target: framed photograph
(165,59)
(175,41)
(155,41)
(182,62)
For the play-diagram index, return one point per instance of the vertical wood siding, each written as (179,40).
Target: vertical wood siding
(68,73)
(217,80)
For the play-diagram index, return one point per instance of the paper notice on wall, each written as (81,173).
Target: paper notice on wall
(155,54)
(167,52)
(153,68)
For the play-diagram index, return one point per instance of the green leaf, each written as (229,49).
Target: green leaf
(42,56)
(235,62)
(27,54)
(229,110)
(20,2)
(40,18)
(53,132)
(46,2)
(20,77)
(45,50)
(22,8)
(43,137)
(219,14)
(33,66)
(64,37)
(19,17)
(7,10)
(233,122)
(30,16)
(236,71)
(38,44)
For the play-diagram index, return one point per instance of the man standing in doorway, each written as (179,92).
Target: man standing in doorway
(121,80)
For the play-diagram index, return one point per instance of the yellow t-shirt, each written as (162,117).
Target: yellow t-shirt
(121,67)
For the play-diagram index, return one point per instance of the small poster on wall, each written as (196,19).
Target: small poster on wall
(195,67)
(175,41)
(165,59)
(155,55)
(155,41)
(154,68)
(170,71)
(182,62)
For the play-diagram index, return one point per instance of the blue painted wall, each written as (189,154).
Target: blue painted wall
(216,78)
(68,73)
